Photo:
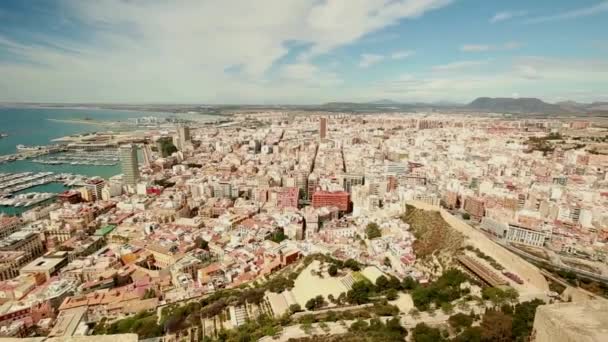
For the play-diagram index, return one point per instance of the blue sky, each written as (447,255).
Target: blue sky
(302,51)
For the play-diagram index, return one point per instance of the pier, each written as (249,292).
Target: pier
(30,153)
(11,183)
(96,158)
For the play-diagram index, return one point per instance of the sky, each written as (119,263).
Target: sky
(302,51)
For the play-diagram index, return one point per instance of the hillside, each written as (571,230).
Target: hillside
(432,233)
(512,105)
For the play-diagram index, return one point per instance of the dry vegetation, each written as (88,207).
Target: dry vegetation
(432,233)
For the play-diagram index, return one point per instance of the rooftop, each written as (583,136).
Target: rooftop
(42,264)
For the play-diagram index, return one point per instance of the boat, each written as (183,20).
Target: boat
(24,148)
(3,135)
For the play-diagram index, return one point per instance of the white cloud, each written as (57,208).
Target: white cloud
(475,48)
(486,47)
(548,78)
(507,15)
(528,71)
(460,65)
(402,54)
(309,74)
(562,70)
(573,14)
(178,51)
(368,59)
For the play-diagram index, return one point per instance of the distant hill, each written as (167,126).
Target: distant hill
(573,106)
(387,102)
(598,106)
(512,105)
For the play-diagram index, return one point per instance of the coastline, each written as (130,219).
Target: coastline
(84,122)
(108,108)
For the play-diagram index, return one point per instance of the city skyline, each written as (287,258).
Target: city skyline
(302,52)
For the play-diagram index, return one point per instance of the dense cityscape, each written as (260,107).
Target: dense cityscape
(286,225)
(303,171)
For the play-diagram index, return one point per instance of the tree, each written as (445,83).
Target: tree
(498,296)
(424,333)
(279,284)
(447,308)
(394,283)
(333,270)
(381,283)
(253,296)
(315,303)
(511,295)
(331,316)
(295,308)
(409,283)
(507,309)
(496,326)
(320,301)
(387,262)
(359,325)
(472,334)
(278,235)
(523,319)
(414,313)
(331,298)
(466,216)
(311,304)
(372,231)
(376,330)
(392,294)
(306,328)
(352,264)
(460,321)
(359,293)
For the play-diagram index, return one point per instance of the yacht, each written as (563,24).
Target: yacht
(24,148)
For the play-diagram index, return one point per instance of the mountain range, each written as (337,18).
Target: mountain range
(531,106)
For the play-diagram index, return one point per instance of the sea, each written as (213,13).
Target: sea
(31,126)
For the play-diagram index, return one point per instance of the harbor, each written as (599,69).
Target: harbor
(95,158)
(27,200)
(27,152)
(11,183)
(22,191)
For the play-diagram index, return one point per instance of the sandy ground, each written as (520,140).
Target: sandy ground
(308,286)
(294,331)
(404,302)
(372,273)
(534,281)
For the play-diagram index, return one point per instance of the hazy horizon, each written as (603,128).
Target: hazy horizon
(302,52)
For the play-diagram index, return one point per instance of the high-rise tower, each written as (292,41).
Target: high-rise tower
(322,128)
(130,167)
(183,136)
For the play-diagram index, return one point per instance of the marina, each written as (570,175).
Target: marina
(27,152)
(95,158)
(11,183)
(27,199)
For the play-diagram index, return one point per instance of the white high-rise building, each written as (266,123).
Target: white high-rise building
(130,167)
